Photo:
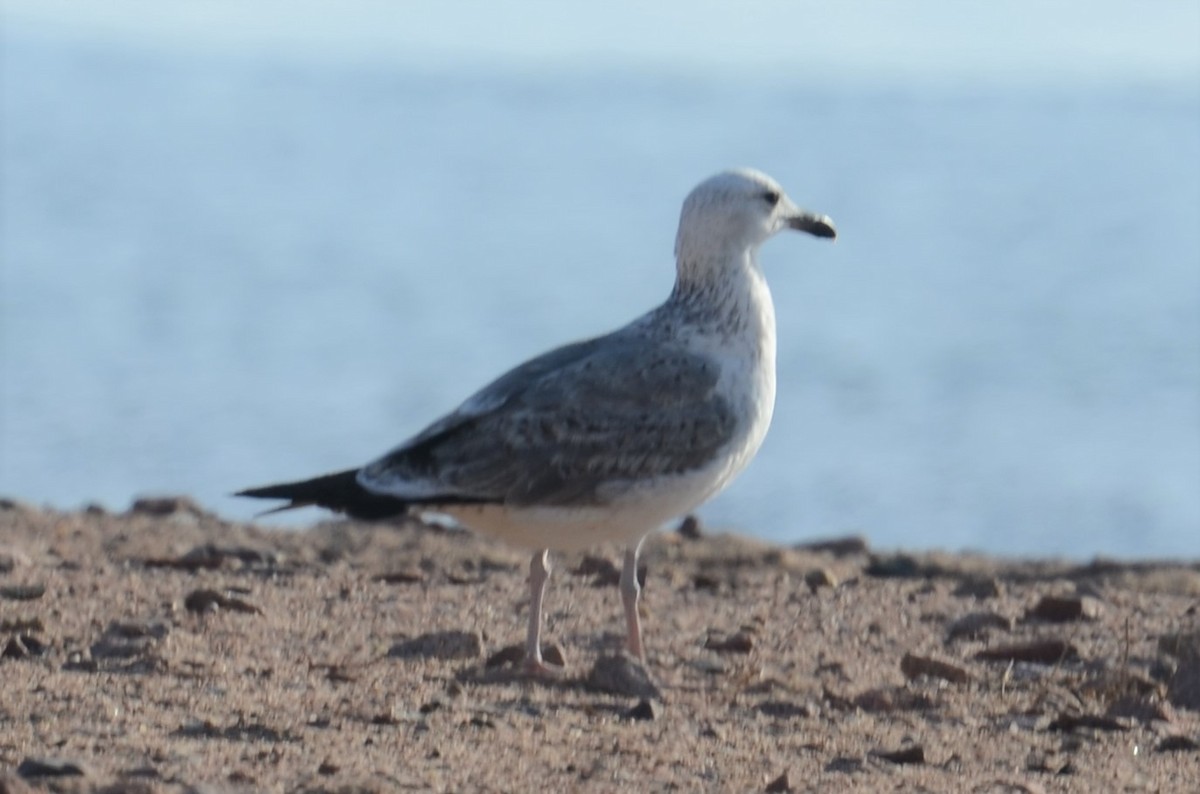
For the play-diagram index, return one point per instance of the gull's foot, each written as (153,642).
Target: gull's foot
(540,668)
(513,659)
(552,664)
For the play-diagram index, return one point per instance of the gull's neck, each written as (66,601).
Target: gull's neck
(725,295)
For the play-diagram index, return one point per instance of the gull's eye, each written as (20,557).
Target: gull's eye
(771,197)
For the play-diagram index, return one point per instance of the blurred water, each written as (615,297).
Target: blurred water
(222,270)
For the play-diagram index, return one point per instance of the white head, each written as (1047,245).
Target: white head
(733,213)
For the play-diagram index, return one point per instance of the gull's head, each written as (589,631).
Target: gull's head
(733,213)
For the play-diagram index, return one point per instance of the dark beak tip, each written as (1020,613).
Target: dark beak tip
(816,225)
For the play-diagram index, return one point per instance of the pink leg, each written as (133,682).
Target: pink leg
(539,574)
(629,598)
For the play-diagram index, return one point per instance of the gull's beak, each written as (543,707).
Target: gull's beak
(816,225)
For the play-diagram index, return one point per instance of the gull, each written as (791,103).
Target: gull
(607,439)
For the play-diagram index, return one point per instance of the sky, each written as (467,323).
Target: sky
(1156,40)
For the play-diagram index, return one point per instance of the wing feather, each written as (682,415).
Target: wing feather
(560,428)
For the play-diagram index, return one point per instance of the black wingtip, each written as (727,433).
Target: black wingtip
(339,492)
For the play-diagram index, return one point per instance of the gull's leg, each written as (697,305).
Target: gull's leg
(629,597)
(539,574)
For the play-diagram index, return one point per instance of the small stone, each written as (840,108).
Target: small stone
(1050,651)
(914,754)
(23,646)
(508,656)
(129,638)
(845,764)
(22,592)
(16,505)
(1177,744)
(603,571)
(212,601)
(22,624)
(12,558)
(896,566)
(689,528)
(978,588)
(165,506)
(401,577)
(139,629)
(913,666)
(328,768)
(706,581)
(741,642)
(1065,609)
(838,547)
(623,675)
(820,577)
(780,785)
(78,663)
(553,654)
(49,767)
(785,710)
(886,700)
(646,709)
(1184,687)
(976,625)
(440,645)
(1179,644)
(709,665)
(1100,722)
(1143,708)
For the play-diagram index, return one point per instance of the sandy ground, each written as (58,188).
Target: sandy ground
(164,650)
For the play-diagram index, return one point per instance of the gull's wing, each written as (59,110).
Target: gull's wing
(560,428)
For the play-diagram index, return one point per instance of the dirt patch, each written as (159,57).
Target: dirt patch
(165,650)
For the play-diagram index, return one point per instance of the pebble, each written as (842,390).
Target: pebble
(1049,651)
(23,646)
(780,785)
(166,506)
(1184,687)
(741,642)
(12,558)
(838,547)
(440,645)
(126,639)
(1067,723)
(977,625)
(508,656)
(896,566)
(913,754)
(690,529)
(210,601)
(913,666)
(1065,609)
(49,767)
(623,675)
(22,592)
(604,571)
(786,709)
(891,699)
(978,588)
(400,577)
(646,709)
(820,577)
(1177,743)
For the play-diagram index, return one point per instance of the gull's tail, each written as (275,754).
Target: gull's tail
(339,492)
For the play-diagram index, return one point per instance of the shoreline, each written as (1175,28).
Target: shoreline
(164,649)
